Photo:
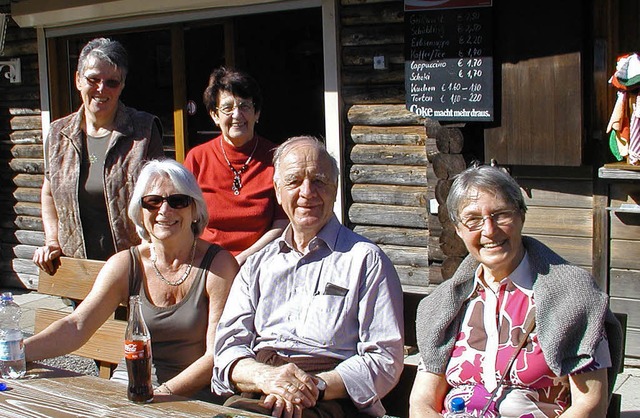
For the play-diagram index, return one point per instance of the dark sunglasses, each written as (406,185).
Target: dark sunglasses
(176,201)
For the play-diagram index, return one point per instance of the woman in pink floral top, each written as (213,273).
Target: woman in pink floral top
(469,328)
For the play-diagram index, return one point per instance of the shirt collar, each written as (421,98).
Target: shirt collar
(521,277)
(327,235)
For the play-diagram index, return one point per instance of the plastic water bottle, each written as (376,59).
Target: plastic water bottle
(457,409)
(12,363)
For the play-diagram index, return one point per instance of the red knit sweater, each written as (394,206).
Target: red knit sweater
(236,221)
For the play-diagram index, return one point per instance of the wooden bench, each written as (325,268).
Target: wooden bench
(73,280)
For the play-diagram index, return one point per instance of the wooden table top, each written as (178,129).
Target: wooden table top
(50,392)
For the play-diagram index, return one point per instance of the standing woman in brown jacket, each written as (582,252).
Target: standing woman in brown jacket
(92,158)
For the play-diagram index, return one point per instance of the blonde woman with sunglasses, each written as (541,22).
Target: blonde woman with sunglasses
(183,283)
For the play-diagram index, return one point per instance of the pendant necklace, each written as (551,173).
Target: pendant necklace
(154,258)
(237,181)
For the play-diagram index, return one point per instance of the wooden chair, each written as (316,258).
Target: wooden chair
(74,279)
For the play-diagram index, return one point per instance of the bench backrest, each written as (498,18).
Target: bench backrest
(74,279)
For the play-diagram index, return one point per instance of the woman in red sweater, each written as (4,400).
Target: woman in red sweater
(235,169)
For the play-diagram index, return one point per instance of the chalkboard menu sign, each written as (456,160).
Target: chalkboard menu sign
(449,64)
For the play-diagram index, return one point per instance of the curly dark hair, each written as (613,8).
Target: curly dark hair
(238,83)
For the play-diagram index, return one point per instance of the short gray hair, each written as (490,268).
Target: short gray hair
(106,50)
(284,148)
(183,181)
(487,178)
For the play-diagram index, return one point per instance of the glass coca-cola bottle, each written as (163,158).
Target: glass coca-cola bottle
(137,353)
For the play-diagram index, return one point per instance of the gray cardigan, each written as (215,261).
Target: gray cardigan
(571,314)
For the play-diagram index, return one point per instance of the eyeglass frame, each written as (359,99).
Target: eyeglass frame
(243,107)
(171,201)
(492,216)
(109,83)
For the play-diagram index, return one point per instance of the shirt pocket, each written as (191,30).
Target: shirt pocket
(323,319)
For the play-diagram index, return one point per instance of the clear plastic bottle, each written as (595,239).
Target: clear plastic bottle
(457,409)
(12,362)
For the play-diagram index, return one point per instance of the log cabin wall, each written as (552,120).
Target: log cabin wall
(390,180)
(21,163)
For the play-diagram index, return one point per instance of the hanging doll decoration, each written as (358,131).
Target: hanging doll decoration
(624,125)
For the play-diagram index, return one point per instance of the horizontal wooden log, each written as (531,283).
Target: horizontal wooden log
(17,111)
(28,180)
(372,35)
(386,174)
(624,283)
(389,195)
(22,151)
(389,154)
(21,122)
(368,214)
(390,135)
(26,137)
(413,276)
(25,165)
(27,208)
(557,193)
(29,223)
(372,14)
(10,251)
(568,222)
(363,55)
(368,76)
(446,166)
(22,237)
(386,115)
(19,265)
(395,236)
(21,194)
(406,256)
(373,95)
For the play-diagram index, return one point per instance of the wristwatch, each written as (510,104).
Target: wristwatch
(322,386)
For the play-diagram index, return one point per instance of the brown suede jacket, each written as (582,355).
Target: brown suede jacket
(133,141)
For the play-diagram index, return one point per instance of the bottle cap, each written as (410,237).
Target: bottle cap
(457,404)
(7,296)
(3,386)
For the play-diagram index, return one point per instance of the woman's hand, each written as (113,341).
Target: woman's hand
(47,257)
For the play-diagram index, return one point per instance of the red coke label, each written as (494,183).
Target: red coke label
(134,350)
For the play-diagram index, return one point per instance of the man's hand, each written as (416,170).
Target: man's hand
(281,408)
(47,257)
(291,384)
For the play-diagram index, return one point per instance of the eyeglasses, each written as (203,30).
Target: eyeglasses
(502,218)
(176,201)
(243,107)
(95,82)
